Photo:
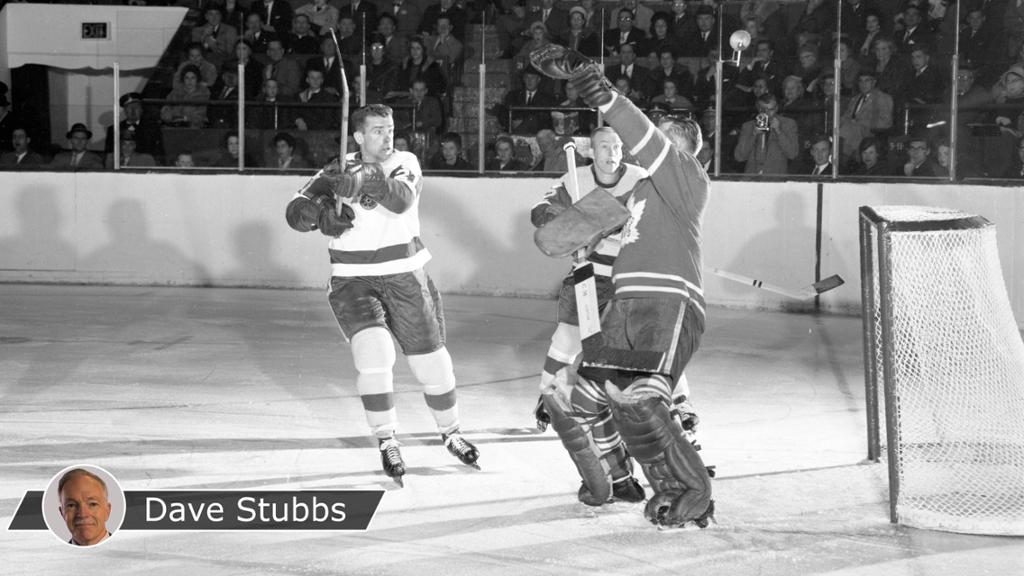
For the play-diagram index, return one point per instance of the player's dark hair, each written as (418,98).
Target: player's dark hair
(376,110)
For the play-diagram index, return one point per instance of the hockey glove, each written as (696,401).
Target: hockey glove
(330,222)
(582,72)
(370,179)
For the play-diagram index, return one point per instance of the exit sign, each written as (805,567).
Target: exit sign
(95,31)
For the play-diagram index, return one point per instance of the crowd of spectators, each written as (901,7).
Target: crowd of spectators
(777,96)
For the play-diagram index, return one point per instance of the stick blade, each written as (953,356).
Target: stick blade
(832,282)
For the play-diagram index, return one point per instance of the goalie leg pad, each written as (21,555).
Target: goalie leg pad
(682,487)
(582,449)
(588,220)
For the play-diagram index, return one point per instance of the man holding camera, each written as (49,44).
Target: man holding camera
(768,142)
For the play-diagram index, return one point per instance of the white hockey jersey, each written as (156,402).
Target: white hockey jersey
(380,241)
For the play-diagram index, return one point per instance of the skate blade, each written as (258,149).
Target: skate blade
(398,480)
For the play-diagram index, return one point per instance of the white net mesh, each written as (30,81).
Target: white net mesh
(958,388)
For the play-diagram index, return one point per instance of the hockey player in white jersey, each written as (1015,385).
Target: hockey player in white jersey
(379,288)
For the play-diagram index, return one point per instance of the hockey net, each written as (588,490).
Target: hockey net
(944,363)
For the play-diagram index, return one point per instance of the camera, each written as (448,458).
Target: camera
(761,122)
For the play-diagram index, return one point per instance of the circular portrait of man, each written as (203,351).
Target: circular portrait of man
(83,505)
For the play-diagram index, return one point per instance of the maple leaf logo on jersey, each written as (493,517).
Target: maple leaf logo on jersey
(636,212)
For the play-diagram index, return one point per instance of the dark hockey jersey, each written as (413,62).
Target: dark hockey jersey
(660,245)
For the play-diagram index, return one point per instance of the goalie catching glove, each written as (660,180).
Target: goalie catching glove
(585,74)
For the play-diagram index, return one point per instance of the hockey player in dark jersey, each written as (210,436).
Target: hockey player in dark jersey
(593,434)
(653,324)
(378,286)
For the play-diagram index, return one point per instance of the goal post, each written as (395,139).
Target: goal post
(944,370)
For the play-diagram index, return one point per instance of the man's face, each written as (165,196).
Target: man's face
(230,78)
(253,22)
(917,151)
(213,17)
(20,140)
(531,81)
(792,90)
(444,26)
(401,145)
(625,21)
(195,55)
(769,108)
(883,50)
(912,17)
(270,89)
(865,84)
(869,156)
(275,50)
(975,19)
(764,51)
(450,152)
(760,87)
(678,6)
(419,91)
(347,27)
(233,146)
(628,54)
(377,52)
(133,111)
(942,154)
(965,80)
(185,161)
(301,25)
(127,147)
(283,150)
(705,22)
(576,21)
(315,79)
(242,51)
(375,138)
(607,148)
(78,141)
(919,59)
(828,87)
(666,60)
(504,151)
(84,506)
(820,152)
(808,60)
(386,27)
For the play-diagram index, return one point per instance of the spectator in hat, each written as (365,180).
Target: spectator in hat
(578,37)
(216,37)
(130,157)
(444,9)
(643,17)
(554,18)
(539,38)
(22,157)
(283,68)
(78,158)
(256,33)
(148,137)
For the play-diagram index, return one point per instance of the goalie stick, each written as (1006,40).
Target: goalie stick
(805,293)
(588,315)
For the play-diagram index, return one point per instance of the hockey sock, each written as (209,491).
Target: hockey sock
(374,357)
(565,346)
(437,375)
(590,406)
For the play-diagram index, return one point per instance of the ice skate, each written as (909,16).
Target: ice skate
(628,490)
(391,459)
(461,448)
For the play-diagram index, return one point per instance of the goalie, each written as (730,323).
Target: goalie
(653,323)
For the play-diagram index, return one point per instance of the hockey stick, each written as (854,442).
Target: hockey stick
(588,316)
(805,293)
(343,141)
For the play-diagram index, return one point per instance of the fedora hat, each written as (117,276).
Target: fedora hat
(79,127)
